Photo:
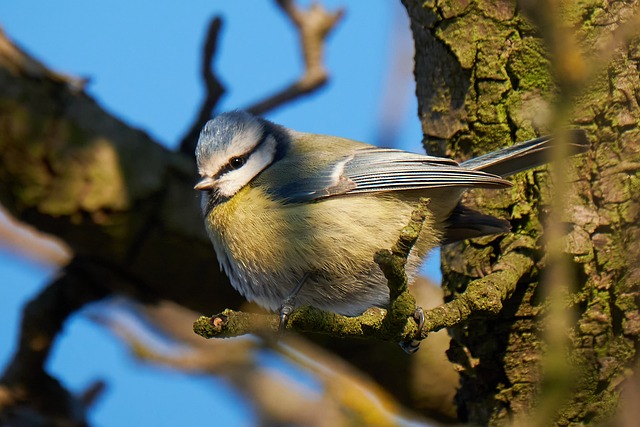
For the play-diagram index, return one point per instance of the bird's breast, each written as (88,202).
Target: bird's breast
(268,235)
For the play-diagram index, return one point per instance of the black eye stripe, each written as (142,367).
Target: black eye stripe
(238,161)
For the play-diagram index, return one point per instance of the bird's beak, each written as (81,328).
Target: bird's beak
(206,183)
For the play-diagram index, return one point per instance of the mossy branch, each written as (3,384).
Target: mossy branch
(482,296)
(396,324)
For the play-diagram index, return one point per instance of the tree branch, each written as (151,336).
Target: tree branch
(25,384)
(483,296)
(313,26)
(213,86)
(235,362)
(108,191)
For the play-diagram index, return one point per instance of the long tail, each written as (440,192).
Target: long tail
(525,155)
(466,223)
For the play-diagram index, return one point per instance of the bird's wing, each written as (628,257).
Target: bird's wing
(369,170)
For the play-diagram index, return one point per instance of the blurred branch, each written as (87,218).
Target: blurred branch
(585,43)
(214,89)
(109,192)
(313,26)
(394,104)
(346,394)
(577,65)
(25,385)
(19,62)
(31,243)
(119,201)
(92,393)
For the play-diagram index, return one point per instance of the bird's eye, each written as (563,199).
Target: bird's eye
(237,162)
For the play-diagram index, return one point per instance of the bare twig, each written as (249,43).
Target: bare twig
(214,89)
(313,27)
(92,393)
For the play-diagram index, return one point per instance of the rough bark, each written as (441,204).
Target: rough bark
(485,78)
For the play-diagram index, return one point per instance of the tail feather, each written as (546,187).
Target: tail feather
(466,223)
(525,155)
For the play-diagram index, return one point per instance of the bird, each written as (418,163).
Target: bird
(296,218)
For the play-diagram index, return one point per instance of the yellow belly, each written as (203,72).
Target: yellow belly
(271,246)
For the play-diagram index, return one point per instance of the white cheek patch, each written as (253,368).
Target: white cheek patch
(243,142)
(231,182)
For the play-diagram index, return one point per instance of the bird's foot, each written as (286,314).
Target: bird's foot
(289,304)
(285,311)
(412,346)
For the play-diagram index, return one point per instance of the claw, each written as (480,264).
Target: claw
(285,312)
(289,303)
(412,346)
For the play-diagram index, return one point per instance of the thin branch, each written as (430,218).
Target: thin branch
(235,362)
(31,243)
(483,296)
(313,26)
(213,86)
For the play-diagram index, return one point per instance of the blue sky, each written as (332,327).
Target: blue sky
(142,59)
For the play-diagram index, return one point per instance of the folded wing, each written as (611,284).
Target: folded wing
(376,170)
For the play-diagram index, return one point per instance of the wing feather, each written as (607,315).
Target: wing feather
(371,170)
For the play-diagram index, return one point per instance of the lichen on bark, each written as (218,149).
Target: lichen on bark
(486,77)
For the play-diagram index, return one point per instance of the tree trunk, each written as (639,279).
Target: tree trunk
(484,80)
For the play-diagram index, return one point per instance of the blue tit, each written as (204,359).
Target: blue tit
(302,215)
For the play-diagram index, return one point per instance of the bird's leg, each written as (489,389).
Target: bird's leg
(412,346)
(288,304)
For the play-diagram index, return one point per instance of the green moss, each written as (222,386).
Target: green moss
(489,137)
(489,103)
(461,36)
(452,8)
(528,66)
